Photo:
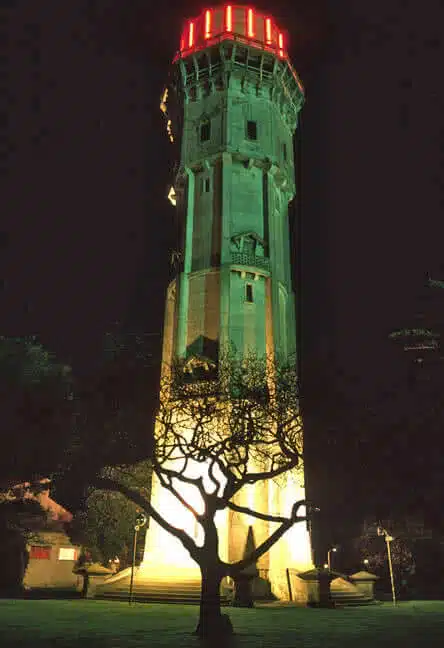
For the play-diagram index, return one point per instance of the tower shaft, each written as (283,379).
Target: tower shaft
(239,107)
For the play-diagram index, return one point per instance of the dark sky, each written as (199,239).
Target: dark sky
(85,225)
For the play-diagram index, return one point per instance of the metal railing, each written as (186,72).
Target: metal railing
(241,258)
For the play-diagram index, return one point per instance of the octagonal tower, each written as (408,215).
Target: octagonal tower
(231,111)
(233,103)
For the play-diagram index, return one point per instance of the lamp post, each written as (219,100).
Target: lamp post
(140,521)
(388,539)
(366,563)
(330,551)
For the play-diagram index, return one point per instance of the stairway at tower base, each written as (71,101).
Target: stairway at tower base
(184,588)
(281,586)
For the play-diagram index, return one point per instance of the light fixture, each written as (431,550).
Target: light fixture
(281,44)
(229,18)
(250,23)
(268,31)
(207,23)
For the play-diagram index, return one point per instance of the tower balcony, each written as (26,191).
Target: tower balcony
(251,261)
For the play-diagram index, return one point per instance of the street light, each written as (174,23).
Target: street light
(332,549)
(366,562)
(140,521)
(388,539)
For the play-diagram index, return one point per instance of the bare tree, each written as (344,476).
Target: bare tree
(219,430)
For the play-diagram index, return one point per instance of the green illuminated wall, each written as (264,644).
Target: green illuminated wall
(234,183)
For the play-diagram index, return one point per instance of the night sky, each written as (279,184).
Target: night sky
(86,231)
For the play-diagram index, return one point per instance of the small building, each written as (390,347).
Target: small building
(50,555)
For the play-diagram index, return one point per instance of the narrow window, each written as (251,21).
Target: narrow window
(67,553)
(205,130)
(284,151)
(252,130)
(249,293)
(40,553)
(207,185)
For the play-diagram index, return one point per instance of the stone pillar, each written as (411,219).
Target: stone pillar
(318,587)
(182,325)
(93,575)
(365,583)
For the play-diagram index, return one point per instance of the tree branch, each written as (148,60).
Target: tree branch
(169,486)
(174,474)
(235,568)
(107,483)
(256,514)
(252,478)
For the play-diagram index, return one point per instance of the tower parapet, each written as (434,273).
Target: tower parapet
(239,52)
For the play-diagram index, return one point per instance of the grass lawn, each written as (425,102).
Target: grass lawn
(103,624)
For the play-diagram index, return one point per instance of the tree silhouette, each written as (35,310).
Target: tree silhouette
(219,430)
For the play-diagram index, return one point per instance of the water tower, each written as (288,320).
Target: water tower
(231,110)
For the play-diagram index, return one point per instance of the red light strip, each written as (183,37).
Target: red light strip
(191,35)
(207,23)
(281,44)
(229,18)
(268,31)
(250,17)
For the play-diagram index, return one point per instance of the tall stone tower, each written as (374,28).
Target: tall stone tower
(232,106)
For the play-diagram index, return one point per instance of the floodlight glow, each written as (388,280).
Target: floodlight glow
(191,35)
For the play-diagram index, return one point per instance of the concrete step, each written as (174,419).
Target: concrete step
(351,598)
(151,598)
(153,591)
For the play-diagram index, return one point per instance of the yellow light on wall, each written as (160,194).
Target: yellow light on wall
(172,196)
(169,131)
(163,101)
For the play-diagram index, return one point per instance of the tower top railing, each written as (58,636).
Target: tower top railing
(230,21)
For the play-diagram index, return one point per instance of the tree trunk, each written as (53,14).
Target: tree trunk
(212,623)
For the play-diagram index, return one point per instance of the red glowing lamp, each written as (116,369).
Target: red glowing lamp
(250,23)
(268,31)
(228,21)
(207,24)
(229,18)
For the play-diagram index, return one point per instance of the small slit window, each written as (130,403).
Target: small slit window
(284,152)
(249,293)
(205,185)
(205,130)
(252,130)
